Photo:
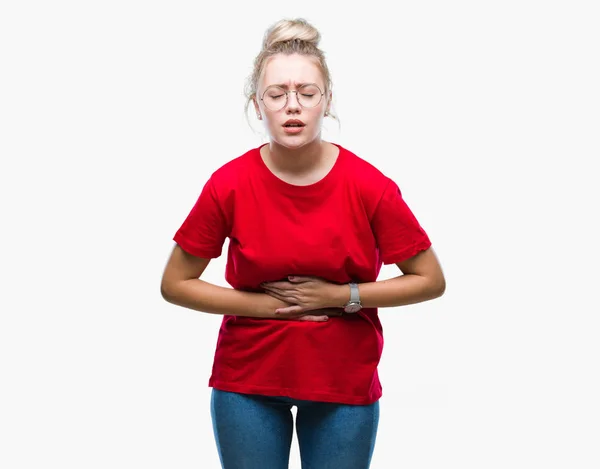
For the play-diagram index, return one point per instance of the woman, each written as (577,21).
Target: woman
(309,225)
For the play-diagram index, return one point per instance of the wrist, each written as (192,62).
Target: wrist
(353,305)
(340,296)
(269,305)
(263,306)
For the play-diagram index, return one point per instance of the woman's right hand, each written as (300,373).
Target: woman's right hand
(316,315)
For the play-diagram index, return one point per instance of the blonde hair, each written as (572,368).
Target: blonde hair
(288,37)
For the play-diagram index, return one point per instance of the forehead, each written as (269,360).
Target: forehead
(290,70)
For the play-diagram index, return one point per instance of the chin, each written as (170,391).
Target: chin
(294,141)
(292,145)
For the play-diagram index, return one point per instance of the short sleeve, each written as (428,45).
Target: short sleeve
(204,230)
(398,234)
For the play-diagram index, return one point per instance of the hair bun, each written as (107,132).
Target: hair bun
(289,30)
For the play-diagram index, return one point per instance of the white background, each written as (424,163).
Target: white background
(113,115)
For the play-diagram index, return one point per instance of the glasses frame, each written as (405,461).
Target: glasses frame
(287,95)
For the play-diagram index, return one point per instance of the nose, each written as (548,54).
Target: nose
(292,102)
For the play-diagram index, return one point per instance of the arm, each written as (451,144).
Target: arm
(422,280)
(182,286)
(395,229)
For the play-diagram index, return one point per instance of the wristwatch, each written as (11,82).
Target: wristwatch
(353,306)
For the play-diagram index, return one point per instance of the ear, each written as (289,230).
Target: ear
(256,108)
(328,109)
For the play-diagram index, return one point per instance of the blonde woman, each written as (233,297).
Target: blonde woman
(309,225)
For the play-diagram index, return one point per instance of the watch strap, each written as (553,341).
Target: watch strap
(354,296)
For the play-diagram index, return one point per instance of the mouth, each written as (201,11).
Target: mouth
(293,126)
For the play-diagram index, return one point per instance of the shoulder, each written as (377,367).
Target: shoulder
(228,175)
(228,180)
(369,179)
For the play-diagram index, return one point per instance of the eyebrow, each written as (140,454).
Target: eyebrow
(283,85)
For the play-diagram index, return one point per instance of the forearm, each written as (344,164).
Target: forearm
(202,296)
(398,291)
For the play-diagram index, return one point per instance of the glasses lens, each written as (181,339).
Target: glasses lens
(309,95)
(274,98)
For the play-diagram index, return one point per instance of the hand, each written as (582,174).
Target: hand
(307,294)
(317,315)
(270,304)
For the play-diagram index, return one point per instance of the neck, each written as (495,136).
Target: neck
(296,161)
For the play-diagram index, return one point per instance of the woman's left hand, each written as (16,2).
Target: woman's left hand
(306,294)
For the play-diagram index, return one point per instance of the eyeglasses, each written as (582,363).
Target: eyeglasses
(308,95)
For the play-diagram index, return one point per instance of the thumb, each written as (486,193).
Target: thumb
(289,310)
(298,279)
(313,318)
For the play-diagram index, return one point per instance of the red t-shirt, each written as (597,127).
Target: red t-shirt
(341,228)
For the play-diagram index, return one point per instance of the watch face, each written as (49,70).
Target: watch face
(353,308)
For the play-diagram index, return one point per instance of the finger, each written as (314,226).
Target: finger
(291,296)
(272,289)
(299,279)
(313,318)
(278,291)
(278,285)
(332,311)
(289,310)
(278,296)
(292,300)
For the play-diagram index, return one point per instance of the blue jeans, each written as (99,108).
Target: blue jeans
(255,432)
